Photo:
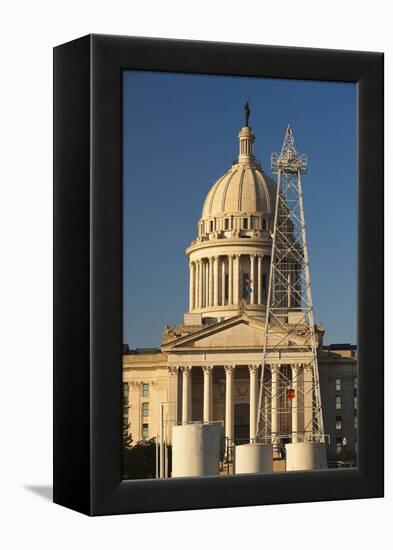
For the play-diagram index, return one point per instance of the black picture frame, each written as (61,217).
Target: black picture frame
(88,274)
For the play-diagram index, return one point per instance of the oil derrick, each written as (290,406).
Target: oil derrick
(289,406)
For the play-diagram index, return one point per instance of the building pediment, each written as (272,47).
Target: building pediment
(240,332)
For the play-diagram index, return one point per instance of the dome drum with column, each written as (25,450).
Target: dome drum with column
(229,261)
(218,282)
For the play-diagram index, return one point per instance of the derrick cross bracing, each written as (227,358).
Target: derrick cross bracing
(289,406)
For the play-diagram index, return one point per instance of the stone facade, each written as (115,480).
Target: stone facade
(338,379)
(179,379)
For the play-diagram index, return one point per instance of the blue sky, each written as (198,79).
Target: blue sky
(180,136)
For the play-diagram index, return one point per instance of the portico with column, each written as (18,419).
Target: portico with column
(229,399)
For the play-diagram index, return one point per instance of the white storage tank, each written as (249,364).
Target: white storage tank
(196,449)
(253,458)
(305,456)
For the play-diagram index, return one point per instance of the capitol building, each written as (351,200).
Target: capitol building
(207,368)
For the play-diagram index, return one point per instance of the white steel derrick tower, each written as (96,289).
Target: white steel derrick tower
(289,407)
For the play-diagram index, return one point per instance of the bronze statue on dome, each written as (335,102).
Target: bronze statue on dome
(246,113)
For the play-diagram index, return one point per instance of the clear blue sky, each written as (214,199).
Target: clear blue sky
(180,136)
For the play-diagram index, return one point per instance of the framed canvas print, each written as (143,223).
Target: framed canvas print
(218,275)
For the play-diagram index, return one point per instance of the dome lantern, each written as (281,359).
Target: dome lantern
(246,145)
(246,139)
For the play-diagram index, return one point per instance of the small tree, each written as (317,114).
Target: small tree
(139,461)
(127,436)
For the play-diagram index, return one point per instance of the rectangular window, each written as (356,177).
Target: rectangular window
(338,401)
(264,225)
(226,290)
(338,423)
(145,409)
(339,445)
(338,384)
(145,431)
(226,223)
(245,223)
(145,390)
(211,226)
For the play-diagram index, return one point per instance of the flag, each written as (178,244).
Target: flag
(290,394)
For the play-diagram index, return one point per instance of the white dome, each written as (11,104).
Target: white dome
(245,188)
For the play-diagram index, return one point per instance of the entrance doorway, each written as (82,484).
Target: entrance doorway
(242,423)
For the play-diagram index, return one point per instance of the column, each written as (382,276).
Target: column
(236,274)
(230,279)
(274,422)
(223,281)
(308,399)
(207,393)
(173,397)
(253,277)
(207,295)
(289,285)
(260,279)
(200,283)
(186,394)
(295,426)
(203,266)
(215,264)
(253,369)
(192,285)
(208,272)
(194,298)
(196,295)
(210,282)
(229,402)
